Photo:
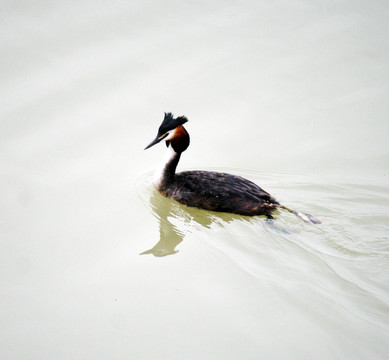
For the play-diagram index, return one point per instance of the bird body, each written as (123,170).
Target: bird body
(217,191)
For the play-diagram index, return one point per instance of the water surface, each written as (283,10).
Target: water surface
(97,264)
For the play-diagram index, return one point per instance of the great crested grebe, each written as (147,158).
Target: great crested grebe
(209,190)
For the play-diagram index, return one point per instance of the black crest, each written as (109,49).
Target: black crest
(170,123)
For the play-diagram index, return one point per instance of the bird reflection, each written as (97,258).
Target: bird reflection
(175,220)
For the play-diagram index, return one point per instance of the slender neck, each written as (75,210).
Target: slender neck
(165,174)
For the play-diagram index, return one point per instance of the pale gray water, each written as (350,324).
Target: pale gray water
(290,94)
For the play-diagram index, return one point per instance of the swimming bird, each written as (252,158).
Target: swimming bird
(209,190)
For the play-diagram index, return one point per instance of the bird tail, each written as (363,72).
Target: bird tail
(304,217)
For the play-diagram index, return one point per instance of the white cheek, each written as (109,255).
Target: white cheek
(171,135)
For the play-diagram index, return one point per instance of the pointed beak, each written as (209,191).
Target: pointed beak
(156,140)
